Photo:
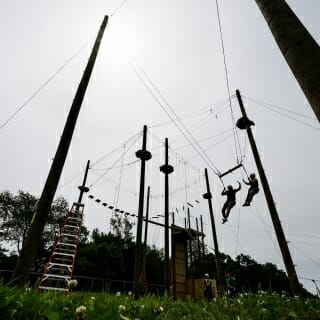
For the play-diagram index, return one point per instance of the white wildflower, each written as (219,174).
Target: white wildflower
(81,312)
(72,283)
(93,298)
(121,308)
(158,309)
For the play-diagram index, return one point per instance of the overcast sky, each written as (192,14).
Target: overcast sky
(177,45)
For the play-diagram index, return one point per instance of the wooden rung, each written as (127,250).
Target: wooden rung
(57,276)
(52,288)
(231,170)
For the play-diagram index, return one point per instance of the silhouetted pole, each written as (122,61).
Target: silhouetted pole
(83,187)
(190,245)
(173,220)
(147,218)
(32,242)
(144,255)
(245,123)
(198,240)
(144,155)
(208,196)
(202,237)
(298,47)
(166,169)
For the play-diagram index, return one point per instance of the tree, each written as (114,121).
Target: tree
(16,213)
(122,227)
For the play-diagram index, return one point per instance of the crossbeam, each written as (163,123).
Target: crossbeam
(231,170)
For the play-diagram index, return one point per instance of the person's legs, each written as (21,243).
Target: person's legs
(230,205)
(251,193)
(225,206)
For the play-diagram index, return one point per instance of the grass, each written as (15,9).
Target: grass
(28,304)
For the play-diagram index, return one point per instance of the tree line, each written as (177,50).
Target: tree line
(106,259)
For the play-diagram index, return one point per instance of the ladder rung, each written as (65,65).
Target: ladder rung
(52,288)
(70,235)
(74,218)
(63,254)
(53,264)
(62,250)
(66,244)
(70,226)
(57,276)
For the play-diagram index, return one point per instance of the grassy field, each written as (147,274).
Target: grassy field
(27,304)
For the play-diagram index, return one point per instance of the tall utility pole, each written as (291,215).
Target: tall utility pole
(147,218)
(190,244)
(245,124)
(166,169)
(83,187)
(144,254)
(198,241)
(202,237)
(144,155)
(298,47)
(32,242)
(208,196)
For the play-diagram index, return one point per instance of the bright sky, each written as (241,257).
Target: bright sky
(176,44)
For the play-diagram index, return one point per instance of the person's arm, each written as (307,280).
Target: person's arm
(247,183)
(236,190)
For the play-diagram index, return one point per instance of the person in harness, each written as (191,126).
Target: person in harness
(253,189)
(207,290)
(231,201)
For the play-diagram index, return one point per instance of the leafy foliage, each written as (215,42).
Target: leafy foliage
(27,303)
(16,212)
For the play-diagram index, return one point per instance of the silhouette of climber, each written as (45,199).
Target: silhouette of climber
(231,201)
(253,189)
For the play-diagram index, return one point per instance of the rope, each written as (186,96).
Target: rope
(245,171)
(313,261)
(117,167)
(208,160)
(194,114)
(118,8)
(107,171)
(238,225)
(139,133)
(236,138)
(120,178)
(278,107)
(269,107)
(102,158)
(36,92)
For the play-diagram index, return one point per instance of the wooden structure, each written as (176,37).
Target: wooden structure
(180,282)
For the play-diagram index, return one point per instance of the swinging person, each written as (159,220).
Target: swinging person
(231,201)
(254,189)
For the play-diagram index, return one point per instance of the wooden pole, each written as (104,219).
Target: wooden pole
(208,196)
(83,187)
(32,242)
(202,237)
(147,217)
(293,279)
(298,47)
(198,240)
(144,155)
(166,169)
